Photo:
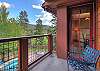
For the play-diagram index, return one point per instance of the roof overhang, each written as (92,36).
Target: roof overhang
(52,5)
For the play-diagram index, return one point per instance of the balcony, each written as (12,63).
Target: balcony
(51,63)
(30,53)
(21,53)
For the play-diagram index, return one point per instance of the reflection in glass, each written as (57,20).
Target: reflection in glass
(80,26)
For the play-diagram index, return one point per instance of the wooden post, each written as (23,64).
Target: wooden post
(61,38)
(23,54)
(98,28)
(50,43)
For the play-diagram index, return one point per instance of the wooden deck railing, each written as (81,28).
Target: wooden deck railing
(21,53)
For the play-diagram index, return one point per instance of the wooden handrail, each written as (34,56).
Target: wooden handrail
(2,40)
(35,36)
(18,38)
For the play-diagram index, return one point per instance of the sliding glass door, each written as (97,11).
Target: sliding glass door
(82,28)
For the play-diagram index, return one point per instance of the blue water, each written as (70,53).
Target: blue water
(11,66)
(1,62)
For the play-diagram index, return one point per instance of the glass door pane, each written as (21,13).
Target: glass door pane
(75,28)
(80,21)
(85,26)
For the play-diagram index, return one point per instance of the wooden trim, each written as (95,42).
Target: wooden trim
(80,4)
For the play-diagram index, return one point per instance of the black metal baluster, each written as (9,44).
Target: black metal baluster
(8,55)
(32,49)
(35,48)
(3,57)
(14,56)
(8,51)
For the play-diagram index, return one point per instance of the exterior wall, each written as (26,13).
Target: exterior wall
(98,28)
(62,32)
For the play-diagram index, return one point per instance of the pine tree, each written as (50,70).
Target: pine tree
(23,17)
(52,28)
(23,20)
(39,27)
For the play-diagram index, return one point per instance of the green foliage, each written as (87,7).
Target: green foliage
(52,28)
(9,27)
(3,14)
(53,20)
(39,27)
(8,48)
(11,30)
(45,41)
(40,31)
(12,20)
(39,41)
(23,19)
(16,28)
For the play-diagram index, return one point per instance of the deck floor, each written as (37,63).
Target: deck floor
(51,63)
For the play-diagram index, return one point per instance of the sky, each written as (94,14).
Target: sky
(33,8)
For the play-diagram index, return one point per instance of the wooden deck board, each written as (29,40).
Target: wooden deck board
(51,63)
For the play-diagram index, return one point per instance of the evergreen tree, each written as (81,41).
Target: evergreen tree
(39,30)
(53,20)
(52,28)
(23,20)
(12,20)
(39,27)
